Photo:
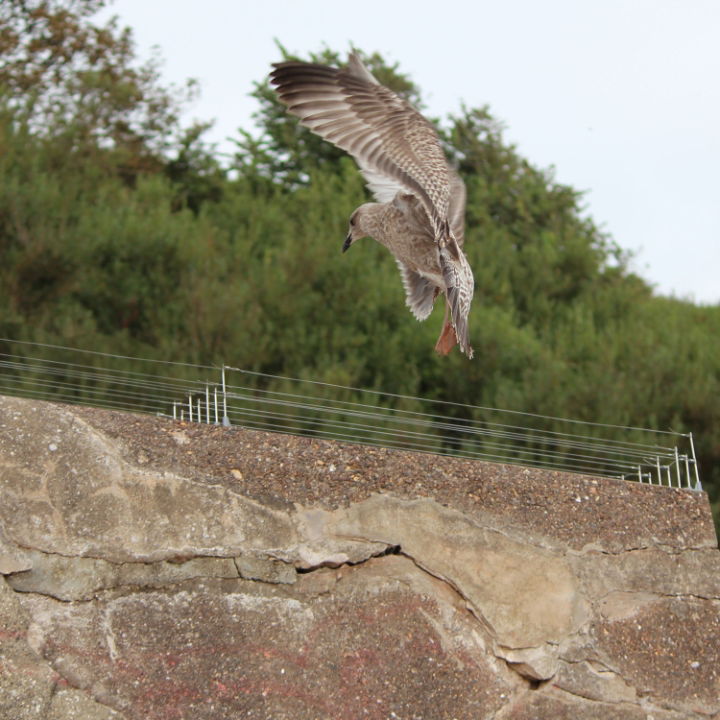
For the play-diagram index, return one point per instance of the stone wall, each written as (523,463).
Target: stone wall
(161,570)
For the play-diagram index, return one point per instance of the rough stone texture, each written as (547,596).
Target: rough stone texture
(160,570)
(26,682)
(373,638)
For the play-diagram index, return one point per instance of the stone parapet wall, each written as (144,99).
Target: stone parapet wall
(161,570)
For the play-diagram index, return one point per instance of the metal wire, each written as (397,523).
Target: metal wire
(305,407)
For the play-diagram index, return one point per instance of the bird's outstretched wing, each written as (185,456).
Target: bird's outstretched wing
(396,148)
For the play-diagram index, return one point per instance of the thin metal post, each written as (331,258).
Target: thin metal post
(199,411)
(174,411)
(216,404)
(698,485)
(226,419)
(677,465)
(190,407)
(687,470)
(659,471)
(640,475)
(207,403)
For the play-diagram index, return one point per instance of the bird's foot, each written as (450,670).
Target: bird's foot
(447,340)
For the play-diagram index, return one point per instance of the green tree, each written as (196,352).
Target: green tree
(79,85)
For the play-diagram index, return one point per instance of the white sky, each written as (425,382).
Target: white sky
(622,97)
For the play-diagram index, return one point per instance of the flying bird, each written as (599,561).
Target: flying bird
(420,208)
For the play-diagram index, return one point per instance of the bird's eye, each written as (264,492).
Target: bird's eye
(352,220)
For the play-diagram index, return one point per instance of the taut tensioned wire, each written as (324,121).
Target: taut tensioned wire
(460,442)
(72,390)
(434,421)
(593,469)
(73,399)
(98,353)
(590,461)
(341,387)
(644,453)
(95,372)
(457,421)
(463,443)
(449,402)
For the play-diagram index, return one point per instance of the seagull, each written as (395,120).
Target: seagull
(420,199)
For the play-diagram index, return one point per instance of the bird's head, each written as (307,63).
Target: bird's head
(363,223)
(354,231)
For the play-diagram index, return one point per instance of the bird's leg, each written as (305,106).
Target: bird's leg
(447,340)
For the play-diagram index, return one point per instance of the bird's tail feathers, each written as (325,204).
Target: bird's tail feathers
(459,290)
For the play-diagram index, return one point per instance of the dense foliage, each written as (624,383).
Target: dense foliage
(122,232)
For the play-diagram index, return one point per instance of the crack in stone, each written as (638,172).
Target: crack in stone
(597,660)
(150,585)
(178,559)
(644,701)
(659,595)
(82,580)
(484,624)
(389,550)
(393,549)
(564,691)
(472,610)
(469,605)
(667,549)
(597,667)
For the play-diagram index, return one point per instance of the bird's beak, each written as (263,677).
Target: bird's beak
(347,243)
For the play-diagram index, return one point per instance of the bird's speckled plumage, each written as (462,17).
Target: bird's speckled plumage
(420,211)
